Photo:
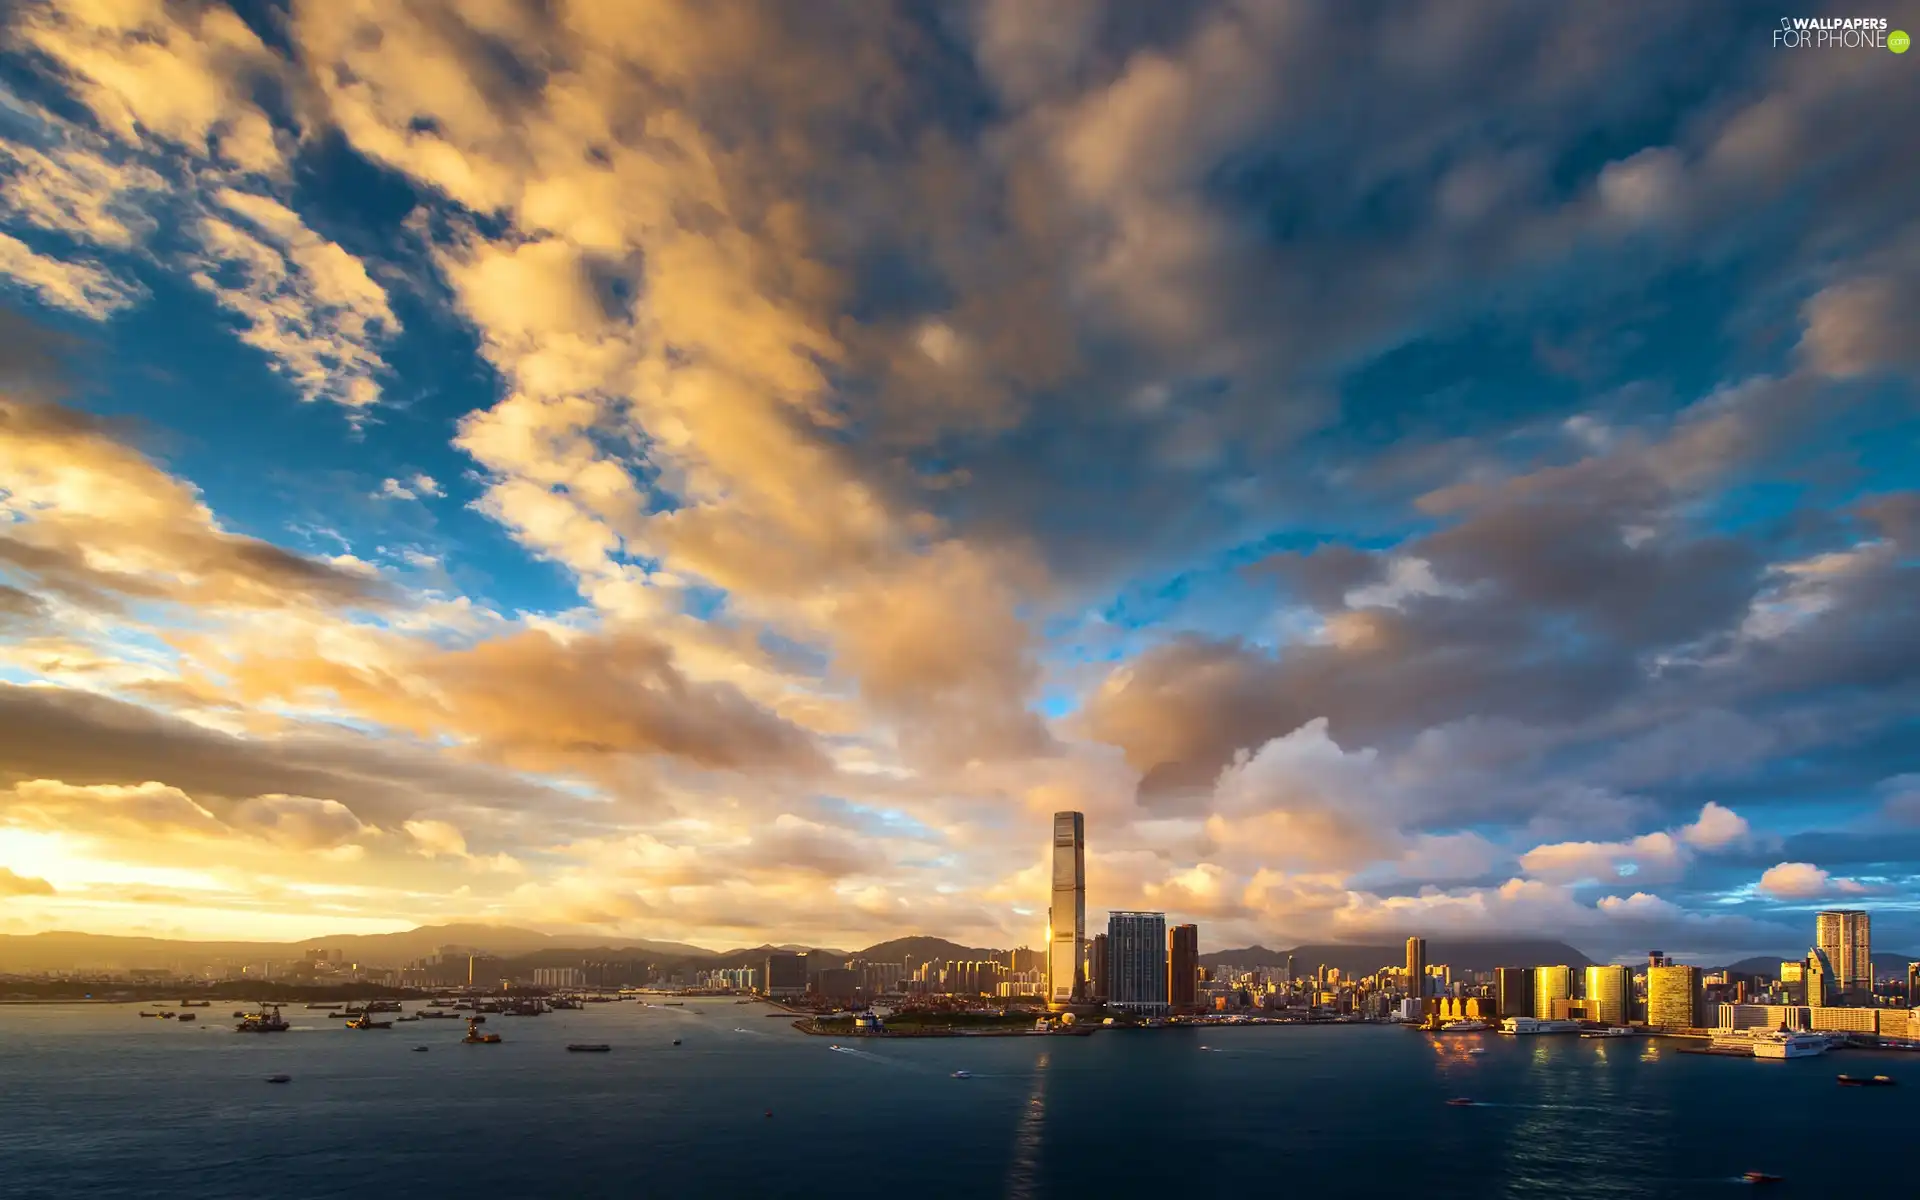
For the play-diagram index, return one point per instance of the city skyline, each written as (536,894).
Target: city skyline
(533,463)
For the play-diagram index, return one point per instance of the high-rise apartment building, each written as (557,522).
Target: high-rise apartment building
(1097,962)
(1513,991)
(1674,997)
(1067,915)
(1845,935)
(1550,984)
(1417,967)
(1137,961)
(786,975)
(1183,966)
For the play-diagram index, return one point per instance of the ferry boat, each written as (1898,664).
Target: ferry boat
(1612,1031)
(1527,1026)
(267,1020)
(1779,1044)
(1468,1026)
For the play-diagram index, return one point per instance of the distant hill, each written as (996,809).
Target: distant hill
(59,951)
(924,949)
(1768,965)
(1461,955)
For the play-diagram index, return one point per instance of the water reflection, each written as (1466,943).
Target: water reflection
(1023,1177)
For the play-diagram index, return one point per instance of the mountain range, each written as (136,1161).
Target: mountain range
(1351,960)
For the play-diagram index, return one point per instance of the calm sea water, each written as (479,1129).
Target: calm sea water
(95,1101)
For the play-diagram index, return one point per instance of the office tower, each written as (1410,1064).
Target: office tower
(1137,961)
(1820,977)
(1845,936)
(1674,997)
(1067,917)
(1913,985)
(786,975)
(1658,958)
(1609,994)
(1513,991)
(1098,984)
(1417,967)
(1550,984)
(1183,966)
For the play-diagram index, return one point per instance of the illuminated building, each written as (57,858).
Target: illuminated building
(1550,984)
(1845,936)
(1674,997)
(1097,960)
(1067,915)
(1183,966)
(1417,967)
(1609,994)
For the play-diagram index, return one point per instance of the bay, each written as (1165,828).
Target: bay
(95,1101)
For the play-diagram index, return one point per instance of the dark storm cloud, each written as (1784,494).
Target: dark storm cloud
(83,739)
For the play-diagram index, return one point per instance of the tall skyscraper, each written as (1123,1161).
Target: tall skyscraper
(1820,979)
(1183,966)
(1674,997)
(1067,916)
(1097,959)
(1137,961)
(1550,984)
(1610,994)
(1417,968)
(1513,991)
(1913,985)
(1845,935)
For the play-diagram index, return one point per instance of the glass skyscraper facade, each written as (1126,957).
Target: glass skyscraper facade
(1137,961)
(1067,915)
(1550,984)
(1610,994)
(1846,936)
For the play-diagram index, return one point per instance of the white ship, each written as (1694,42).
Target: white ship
(1774,1044)
(1532,1025)
(1468,1026)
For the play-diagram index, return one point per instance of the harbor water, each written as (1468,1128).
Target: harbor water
(95,1101)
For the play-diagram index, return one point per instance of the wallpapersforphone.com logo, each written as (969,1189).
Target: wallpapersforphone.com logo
(1839,33)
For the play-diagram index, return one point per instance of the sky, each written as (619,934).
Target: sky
(729,472)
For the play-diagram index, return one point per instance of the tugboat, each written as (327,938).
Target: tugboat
(1867,1081)
(476,1038)
(267,1020)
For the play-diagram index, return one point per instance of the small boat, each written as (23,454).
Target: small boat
(476,1038)
(147,1014)
(279,1079)
(1476,1050)
(168,1016)
(237,1014)
(185,1017)
(1761,1177)
(1866,1081)
(420,1049)
(963,1074)
(676,1042)
(835,1046)
(589,1047)
(365,1021)
(1461,1102)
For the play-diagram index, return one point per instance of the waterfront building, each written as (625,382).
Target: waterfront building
(1183,966)
(1067,915)
(1819,976)
(1674,997)
(1097,960)
(1416,967)
(786,976)
(1550,984)
(1844,935)
(1513,991)
(1609,994)
(1137,961)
